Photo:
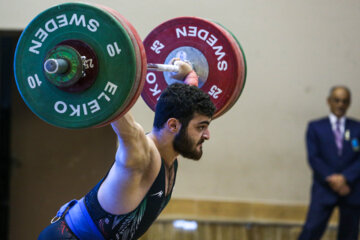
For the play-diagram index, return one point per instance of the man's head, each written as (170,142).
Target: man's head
(193,110)
(339,100)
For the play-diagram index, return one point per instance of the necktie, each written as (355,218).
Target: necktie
(338,137)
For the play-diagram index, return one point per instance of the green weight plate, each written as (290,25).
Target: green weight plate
(140,68)
(116,65)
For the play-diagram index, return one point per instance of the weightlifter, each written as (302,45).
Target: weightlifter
(139,184)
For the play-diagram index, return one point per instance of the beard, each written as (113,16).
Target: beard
(186,147)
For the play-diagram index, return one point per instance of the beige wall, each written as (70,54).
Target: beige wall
(295,51)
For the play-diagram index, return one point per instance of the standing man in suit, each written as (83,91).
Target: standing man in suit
(334,156)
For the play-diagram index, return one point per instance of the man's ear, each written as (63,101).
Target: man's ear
(173,125)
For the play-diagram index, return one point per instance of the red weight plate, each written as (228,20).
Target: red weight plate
(141,65)
(212,51)
(242,81)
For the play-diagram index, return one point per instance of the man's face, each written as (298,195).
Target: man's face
(188,142)
(339,102)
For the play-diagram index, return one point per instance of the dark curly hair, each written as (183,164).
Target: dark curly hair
(181,101)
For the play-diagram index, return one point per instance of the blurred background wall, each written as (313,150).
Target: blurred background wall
(254,167)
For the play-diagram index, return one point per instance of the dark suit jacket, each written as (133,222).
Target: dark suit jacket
(324,159)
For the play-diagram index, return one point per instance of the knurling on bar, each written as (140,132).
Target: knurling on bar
(163,67)
(58,66)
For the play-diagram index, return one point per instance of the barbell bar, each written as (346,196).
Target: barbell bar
(61,66)
(88,77)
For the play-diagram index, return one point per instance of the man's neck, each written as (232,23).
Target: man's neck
(164,143)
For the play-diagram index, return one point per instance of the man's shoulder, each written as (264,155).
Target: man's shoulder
(319,121)
(353,121)
(154,154)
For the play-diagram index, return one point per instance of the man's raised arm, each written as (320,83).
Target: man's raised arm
(133,149)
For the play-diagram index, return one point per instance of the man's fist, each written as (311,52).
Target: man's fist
(184,68)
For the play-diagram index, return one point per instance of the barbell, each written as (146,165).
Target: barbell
(80,65)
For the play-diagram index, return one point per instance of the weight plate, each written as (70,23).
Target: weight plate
(241,53)
(211,50)
(116,65)
(143,58)
(141,63)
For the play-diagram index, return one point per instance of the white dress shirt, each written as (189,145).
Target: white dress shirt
(333,120)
